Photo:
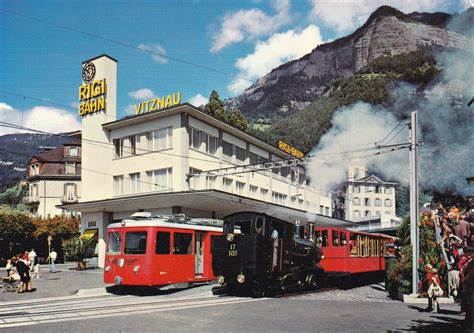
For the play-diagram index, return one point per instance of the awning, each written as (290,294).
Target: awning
(89,233)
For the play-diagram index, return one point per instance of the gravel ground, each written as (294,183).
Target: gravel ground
(371,293)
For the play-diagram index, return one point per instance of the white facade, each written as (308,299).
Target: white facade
(368,197)
(142,163)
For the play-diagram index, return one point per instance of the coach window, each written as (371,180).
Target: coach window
(354,245)
(182,243)
(135,242)
(162,245)
(335,238)
(342,239)
(115,243)
(325,238)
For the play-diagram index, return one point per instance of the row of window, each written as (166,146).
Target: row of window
(141,143)
(359,245)
(372,189)
(368,202)
(136,243)
(155,180)
(70,191)
(357,213)
(69,168)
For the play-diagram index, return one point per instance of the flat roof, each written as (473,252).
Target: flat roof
(223,203)
(200,115)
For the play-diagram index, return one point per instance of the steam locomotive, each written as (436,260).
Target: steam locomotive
(258,253)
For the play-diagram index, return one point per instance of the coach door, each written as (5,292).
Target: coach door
(199,246)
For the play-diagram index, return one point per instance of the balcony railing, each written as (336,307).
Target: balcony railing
(69,199)
(31,199)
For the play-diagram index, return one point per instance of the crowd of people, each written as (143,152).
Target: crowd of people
(22,268)
(454,228)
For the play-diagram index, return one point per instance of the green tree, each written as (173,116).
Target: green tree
(235,118)
(16,233)
(215,107)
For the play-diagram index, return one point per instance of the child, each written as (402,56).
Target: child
(434,291)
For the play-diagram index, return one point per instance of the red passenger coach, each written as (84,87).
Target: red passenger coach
(350,252)
(171,251)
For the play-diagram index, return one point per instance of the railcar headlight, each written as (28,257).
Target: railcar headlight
(240,278)
(220,279)
(107,268)
(136,269)
(230,237)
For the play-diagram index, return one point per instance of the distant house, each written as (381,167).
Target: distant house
(369,200)
(54,177)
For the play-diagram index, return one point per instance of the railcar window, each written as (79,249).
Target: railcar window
(162,245)
(317,236)
(115,243)
(354,245)
(335,238)
(342,239)
(325,238)
(135,242)
(182,243)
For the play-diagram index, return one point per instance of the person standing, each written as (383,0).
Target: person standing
(24,272)
(36,269)
(31,258)
(53,256)
(462,230)
(274,236)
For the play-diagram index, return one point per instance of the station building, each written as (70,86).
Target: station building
(143,162)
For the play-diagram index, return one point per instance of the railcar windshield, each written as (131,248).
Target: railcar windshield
(135,242)
(115,243)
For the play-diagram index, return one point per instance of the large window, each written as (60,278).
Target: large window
(183,243)
(342,238)
(34,169)
(253,191)
(227,149)
(114,242)
(356,201)
(239,188)
(325,238)
(133,144)
(279,198)
(161,139)
(135,242)
(70,191)
(160,180)
(253,158)
(72,151)
(135,182)
(239,153)
(388,203)
(377,202)
(118,185)
(367,201)
(162,245)
(227,184)
(118,145)
(209,143)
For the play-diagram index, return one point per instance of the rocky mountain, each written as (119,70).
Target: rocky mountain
(17,149)
(294,85)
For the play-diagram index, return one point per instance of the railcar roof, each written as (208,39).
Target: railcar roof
(154,222)
(355,232)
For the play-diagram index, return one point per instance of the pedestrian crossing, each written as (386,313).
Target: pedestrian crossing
(60,309)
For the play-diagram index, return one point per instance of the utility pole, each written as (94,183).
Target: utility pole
(414,197)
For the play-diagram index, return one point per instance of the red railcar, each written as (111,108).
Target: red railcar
(171,251)
(352,252)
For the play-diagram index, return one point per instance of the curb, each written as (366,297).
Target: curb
(414,299)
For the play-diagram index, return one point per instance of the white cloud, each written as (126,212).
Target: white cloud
(249,24)
(344,16)
(278,49)
(198,100)
(157,52)
(43,118)
(142,94)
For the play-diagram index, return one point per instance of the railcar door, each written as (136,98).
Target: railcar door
(199,259)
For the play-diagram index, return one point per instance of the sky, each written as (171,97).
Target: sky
(43,44)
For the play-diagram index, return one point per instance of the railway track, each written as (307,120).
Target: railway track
(50,311)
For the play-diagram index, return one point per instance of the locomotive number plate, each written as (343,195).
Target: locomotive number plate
(232,251)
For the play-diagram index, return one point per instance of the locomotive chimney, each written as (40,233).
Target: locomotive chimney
(299,230)
(310,226)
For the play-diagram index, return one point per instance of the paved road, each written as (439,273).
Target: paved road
(358,310)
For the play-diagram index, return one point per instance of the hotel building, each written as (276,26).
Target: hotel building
(54,178)
(143,162)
